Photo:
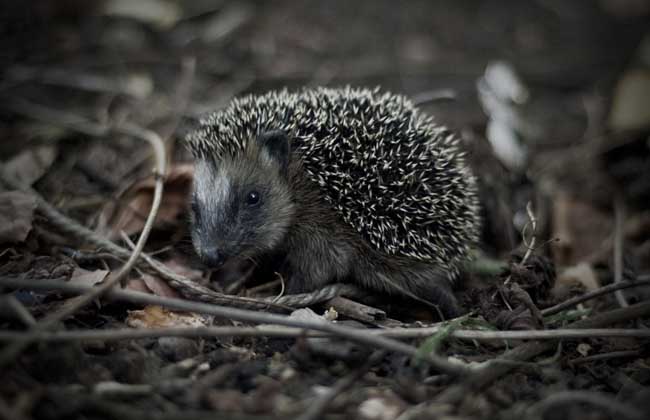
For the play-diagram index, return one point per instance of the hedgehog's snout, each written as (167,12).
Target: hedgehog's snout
(213,257)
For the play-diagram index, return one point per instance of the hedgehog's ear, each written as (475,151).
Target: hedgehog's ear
(275,145)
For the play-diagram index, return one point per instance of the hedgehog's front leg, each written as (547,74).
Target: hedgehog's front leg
(315,258)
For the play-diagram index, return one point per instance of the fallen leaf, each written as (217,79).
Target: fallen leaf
(181,268)
(86,277)
(16,216)
(159,287)
(30,165)
(130,218)
(306,314)
(152,285)
(138,285)
(154,316)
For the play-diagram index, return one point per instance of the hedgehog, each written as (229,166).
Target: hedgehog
(340,185)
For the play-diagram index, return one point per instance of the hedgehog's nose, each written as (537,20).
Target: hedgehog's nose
(213,258)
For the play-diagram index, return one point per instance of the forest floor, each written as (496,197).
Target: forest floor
(551,99)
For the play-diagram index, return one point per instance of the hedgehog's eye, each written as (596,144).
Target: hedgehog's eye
(252,198)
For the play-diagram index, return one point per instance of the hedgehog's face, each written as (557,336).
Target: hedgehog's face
(241,205)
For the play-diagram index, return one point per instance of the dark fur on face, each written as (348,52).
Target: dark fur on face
(242,205)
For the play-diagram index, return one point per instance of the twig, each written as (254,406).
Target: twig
(252,291)
(318,407)
(282,286)
(356,310)
(643,280)
(619,217)
(291,332)
(530,247)
(352,334)
(598,399)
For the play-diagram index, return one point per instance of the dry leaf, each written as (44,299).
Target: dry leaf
(159,287)
(86,277)
(138,285)
(16,215)
(181,268)
(130,218)
(154,316)
(30,165)
(152,285)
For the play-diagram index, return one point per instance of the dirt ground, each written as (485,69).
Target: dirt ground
(551,99)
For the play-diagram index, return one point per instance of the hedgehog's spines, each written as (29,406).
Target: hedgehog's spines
(389,171)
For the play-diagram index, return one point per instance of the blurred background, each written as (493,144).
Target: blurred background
(551,97)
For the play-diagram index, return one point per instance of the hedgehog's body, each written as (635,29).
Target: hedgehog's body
(349,184)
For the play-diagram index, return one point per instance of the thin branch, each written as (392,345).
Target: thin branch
(349,333)
(292,332)
(530,247)
(643,280)
(619,238)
